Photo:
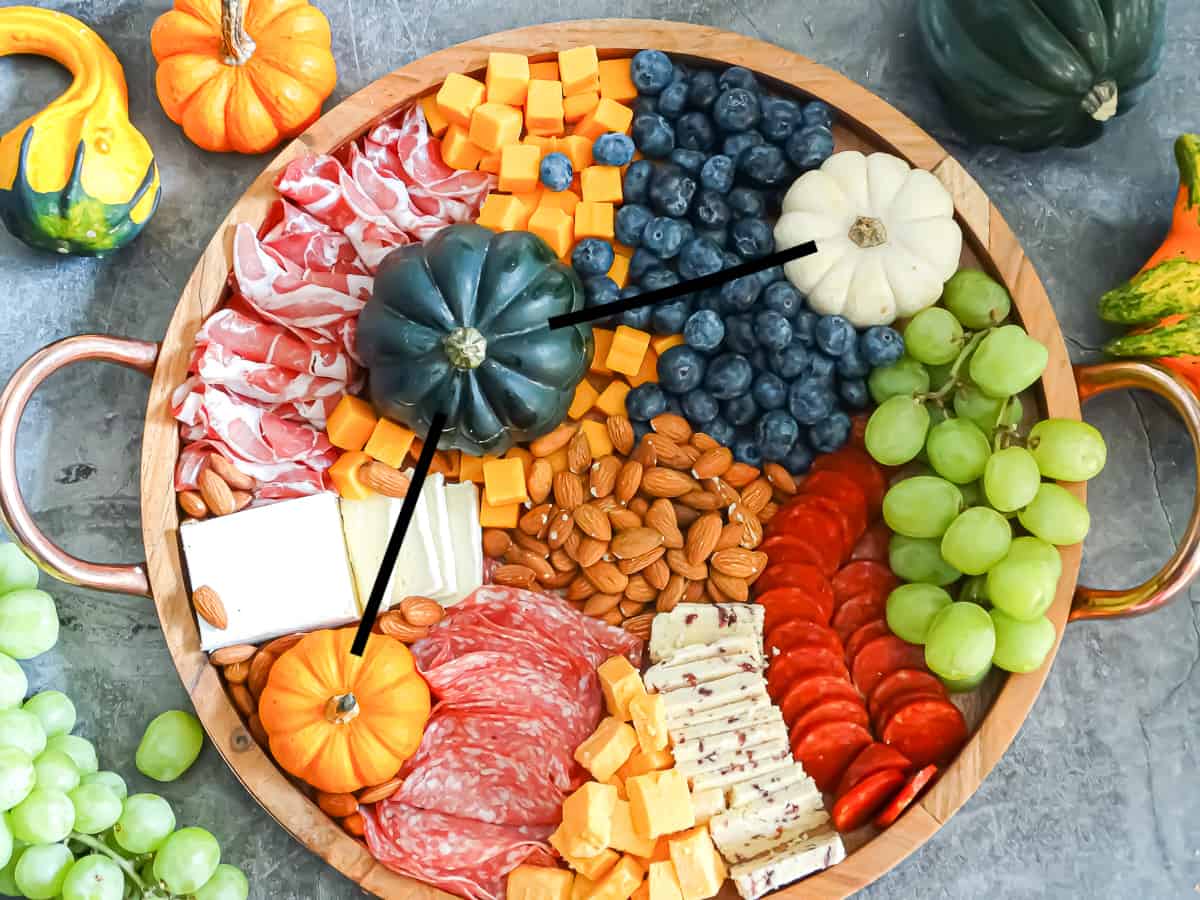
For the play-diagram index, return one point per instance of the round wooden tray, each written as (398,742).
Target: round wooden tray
(864,122)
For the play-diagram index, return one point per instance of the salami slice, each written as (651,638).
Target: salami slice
(854,809)
(875,758)
(863,575)
(828,749)
(807,579)
(859,468)
(899,682)
(808,692)
(905,796)
(881,656)
(863,635)
(838,710)
(927,731)
(856,612)
(799,663)
(782,604)
(800,633)
(874,543)
(794,548)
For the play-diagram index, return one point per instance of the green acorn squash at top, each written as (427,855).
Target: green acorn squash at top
(1035,73)
(460,324)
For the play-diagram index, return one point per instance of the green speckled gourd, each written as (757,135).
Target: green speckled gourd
(460,324)
(1035,73)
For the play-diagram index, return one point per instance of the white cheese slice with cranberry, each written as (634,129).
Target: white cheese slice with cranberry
(704,623)
(787,863)
(715,745)
(749,831)
(753,717)
(670,676)
(750,706)
(743,771)
(684,703)
(761,790)
(720,760)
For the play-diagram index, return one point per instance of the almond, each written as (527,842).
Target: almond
(767,513)
(701,500)
(622,518)
(639,625)
(645,453)
(673,426)
(635,542)
(593,522)
(731,536)
(638,506)
(568,490)
(620,432)
(532,544)
(752,532)
(378,792)
(679,563)
(539,565)
(685,515)
(383,479)
(393,624)
(561,561)
(658,573)
(780,478)
(590,552)
(236,673)
(354,825)
(209,607)
(282,645)
(639,590)
(670,454)
(694,591)
(337,805)
(218,496)
(562,526)
(734,588)
(603,476)
(702,540)
(422,611)
(606,577)
(231,474)
(571,544)
(260,670)
(559,580)
(241,499)
(236,653)
(723,489)
(580,588)
(534,519)
(540,480)
(606,504)
(579,453)
(514,576)
(637,563)
(669,597)
(737,562)
(662,518)
(555,440)
(756,495)
(714,594)
(629,481)
(255,725)
(704,442)
(663,482)
(613,617)
(599,604)
(740,475)
(495,542)
(243,700)
(713,463)
(193,504)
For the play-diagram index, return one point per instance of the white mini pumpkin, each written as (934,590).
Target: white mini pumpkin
(886,237)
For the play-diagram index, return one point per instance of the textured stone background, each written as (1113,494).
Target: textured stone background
(1099,795)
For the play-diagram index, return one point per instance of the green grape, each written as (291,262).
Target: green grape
(1011,479)
(145,822)
(1067,450)
(1055,516)
(54,710)
(972,494)
(17,777)
(22,729)
(42,869)
(1021,646)
(79,749)
(56,772)
(17,571)
(958,450)
(170,745)
(968,684)
(110,780)
(94,877)
(7,841)
(974,590)
(44,817)
(977,540)
(960,641)
(976,299)
(921,507)
(13,683)
(227,883)
(1007,361)
(1035,550)
(919,560)
(933,336)
(28,623)
(1022,588)
(973,404)
(8,884)
(187,860)
(939,376)
(96,808)
(896,430)
(904,378)
(910,609)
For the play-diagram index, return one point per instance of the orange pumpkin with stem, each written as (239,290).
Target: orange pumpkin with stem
(342,722)
(242,75)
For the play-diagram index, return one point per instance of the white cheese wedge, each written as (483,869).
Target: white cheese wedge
(687,702)
(462,504)
(433,496)
(787,863)
(749,831)
(707,804)
(728,741)
(750,706)
(718,761)
(703,623)
(753,716)
(745,771)
(367,525)
(418,567)
(278,569)
(760,790)
(670,676)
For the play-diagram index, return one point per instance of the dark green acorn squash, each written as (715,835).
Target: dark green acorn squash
(460,324)
(1034,73)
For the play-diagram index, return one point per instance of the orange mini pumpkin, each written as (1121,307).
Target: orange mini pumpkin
(343,722)
(242,75)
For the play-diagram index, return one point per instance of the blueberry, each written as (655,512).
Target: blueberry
(719,237)
(758,359)
(680,369)
(704,331)
(638,318)
(662,236)
(592,256)
(804,326)
(780,118)
(880,346)
(834,335)
(717,173)
(737,144)
(709,299)
(699,257)
(642,260)
(709,209)
(673,100)
(668,318)
(739,334)
(777,433)
(737,77)
(810,400)
(798,459)
(771,275)
(699,408)
(695,131)
(657,279)
(752,238)
(739,411)
(645,104)
(764,165)
(736,109)
(653,135)
(729,375)
(783,298)
(556,172)
(810,146)
(674,405)
(600,289)
(631,220)
(671,191)
(636,184)
(830,433)
(731,259)
(640,430)
(651,71)
(817,113)
(681,73)
(740,294)
(612,149)
(772,330)
(822,368)
(690,161)
(645,402)
(745,450)
(790,362)
(703,90)
(747,203)
(854,393)
(720,431)
(687,228)
(851,364)
(769,391)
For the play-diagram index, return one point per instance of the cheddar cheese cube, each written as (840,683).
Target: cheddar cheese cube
(699,868)
(578,150)
(351,423)
(584,400)
(616,81)
(504,482)
(588,817)
(643,889)
(662,881)
(640,762)
(665,342)
(662,853)
(611,401)
(620,883)
(471,468)
(539,883)
(607,749)
(648,370)
(504,516)
(544,71)
(619,783)
(531,200)
(544,143)
(625,837)
(519,168)
(434,117)
(620,683)
(544,107)
(609,115)
(579,70)
(490,163)
(565,200)
(554,227)
(458,97)
(628,348)
(591,867)
(577,106)
(581,888)
(601,184)
(525,457)
(507,78)
(619,270)
(649,715)
(597,437)
(558,460)
(594,220)
(661,802)
(493,125)
(603,338)
(389,443)
(344,475)
(502,212)
(457,150)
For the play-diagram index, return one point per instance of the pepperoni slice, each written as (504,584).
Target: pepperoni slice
(898,702)
(856,612)
(863,575)
(906,795)
(927,731)
(859,468)
(815,526)
(863,635)
(804,578)
(831,510)
(800,633)
(874,543)
(808,692)
(876,758)
(855,808)
(837,710)
(826,751)
(881,656)
(901,681)
(794,548)
(844,491)
(799,663)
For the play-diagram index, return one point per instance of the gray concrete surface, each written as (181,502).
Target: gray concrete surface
(1099,795)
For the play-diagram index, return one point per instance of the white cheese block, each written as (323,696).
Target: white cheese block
(278,569)
(749,831)
(688,733)
(703,623)
(718,761)
(728,741)
(760,790)
(418,566)
(433,495)
(745,771)
(787,863)
(367,526)
(707,804)
(750,706)
(671,676)
(462,504)
(687,702)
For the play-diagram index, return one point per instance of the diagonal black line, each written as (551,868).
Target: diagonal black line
(703,283)
(436,427)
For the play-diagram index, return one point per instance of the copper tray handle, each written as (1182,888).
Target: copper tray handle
(140,355)
(1184,564)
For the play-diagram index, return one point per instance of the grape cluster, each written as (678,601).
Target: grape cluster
(984,514)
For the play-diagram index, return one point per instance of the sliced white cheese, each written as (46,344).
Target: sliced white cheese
(729,741)
(738,719)
(367,525)
(745,771)
(759,790)
(686,702)
(278,569)
(671,676)
(749,831)
(738,645)
(418,566)
(707,804)
(805,825)
(703,623)
(749,706)
(718,761)
(433,495)
(787,863)
(462,504)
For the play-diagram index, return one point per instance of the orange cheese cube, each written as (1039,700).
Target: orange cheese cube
(603,338)
(611,401)
(544,71)
(583,887)
(649,715)
(527,882)
(628,348)
(640,762)
(661,803)
(642,891)
(502,212)
(530,200)
(578,150)
(519,168)
(490,163)
(624,836)
(619,884)
(576,106)
(434,117)
(585,399)
(665,342)
(351,423)
(594,220)
(498,516)
(558,460)
(345,475)
(662,882)
(554,226)
(471,468)
(592,867)
(507,78)
(457,150)
(619,270)
(504,481)
(619,783)
(544,143)
(587,817)
(524,456)
(564,200)
(458,97)
(493,125)
(544,107)
(620,683)
(452,466)
(648,370)
(597,437)
(389,443)
(606,749)
(579,70)
(698,866)
(616,83)
(601,184)
(609,115)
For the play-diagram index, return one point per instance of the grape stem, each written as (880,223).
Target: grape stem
(100,847)
(952,380)
(1003,433)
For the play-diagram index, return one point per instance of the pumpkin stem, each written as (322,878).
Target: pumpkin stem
(465,347)
(236,44)
(342,709)
(1101,101)
(868,232)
